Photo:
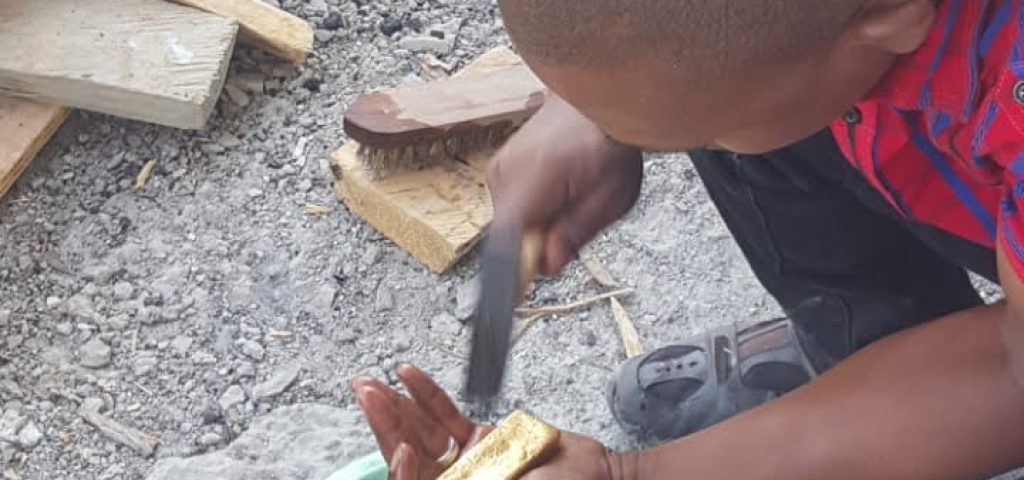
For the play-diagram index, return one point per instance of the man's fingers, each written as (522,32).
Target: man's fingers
(433,399)
(404,464)
(383,417)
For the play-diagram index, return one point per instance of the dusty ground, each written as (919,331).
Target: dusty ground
(165,306)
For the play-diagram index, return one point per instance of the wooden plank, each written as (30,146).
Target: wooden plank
(142,59)
(437,214)
(264,26)
(25,126)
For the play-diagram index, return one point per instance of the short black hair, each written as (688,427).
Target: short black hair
(719,36)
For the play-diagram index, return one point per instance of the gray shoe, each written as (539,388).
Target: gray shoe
(677,390)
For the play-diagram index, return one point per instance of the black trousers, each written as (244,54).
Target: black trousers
(844,265)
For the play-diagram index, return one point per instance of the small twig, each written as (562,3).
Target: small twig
(147,170)
(557,309)
(525,325)
(315,209)
(144,389)
(596,268)
(135,439)
(630,339)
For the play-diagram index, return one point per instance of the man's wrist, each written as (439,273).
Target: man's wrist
(624,465)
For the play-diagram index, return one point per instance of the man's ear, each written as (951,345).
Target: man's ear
(894,26)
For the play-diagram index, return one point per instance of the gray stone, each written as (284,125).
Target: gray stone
(384,299)
(210,439)
(426,43)
(52,302)
(279,381)
(203,358)
(466,298)
(10,389)
(231,397)
(64,328)
(252,349)
(94,354)
(143,366)
(93,404)
(237,95)
(80,307)
(245,370)
(10,423)
(181,345)
(123,290)
(300,441)
(445,325)
(29,436)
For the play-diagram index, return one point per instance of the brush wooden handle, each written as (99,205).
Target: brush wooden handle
(432,111)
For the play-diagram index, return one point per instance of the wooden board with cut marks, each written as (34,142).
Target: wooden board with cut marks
(142,59)
(25,127)
(264,26)
(437,214)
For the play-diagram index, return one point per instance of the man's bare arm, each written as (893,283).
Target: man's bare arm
(942,401)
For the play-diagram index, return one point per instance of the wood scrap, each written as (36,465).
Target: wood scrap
(596,268)
(141,59)
(316,209)
(25,127)
(144,174)
(142,443)
(437,214)
(264,26)
(630,339)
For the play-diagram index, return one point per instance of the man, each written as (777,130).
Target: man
(863,153)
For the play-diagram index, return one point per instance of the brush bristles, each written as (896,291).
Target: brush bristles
(382,162)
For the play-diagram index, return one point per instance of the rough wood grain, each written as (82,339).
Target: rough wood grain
(25,126)
(264,26)
(139,441)
(437,214)
(630,339)
(142,59)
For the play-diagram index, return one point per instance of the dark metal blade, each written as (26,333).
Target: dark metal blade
(492,324)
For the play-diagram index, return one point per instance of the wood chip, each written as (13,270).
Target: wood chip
(557,309)
(314,209)
(596,269)
(65,437)
(630,339)
(147,170)
(280,334)
(142,443)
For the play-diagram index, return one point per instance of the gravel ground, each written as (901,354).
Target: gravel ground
(210,298)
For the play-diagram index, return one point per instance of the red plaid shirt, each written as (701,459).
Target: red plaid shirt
(942,135)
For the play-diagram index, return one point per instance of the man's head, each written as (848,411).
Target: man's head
(748,75)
